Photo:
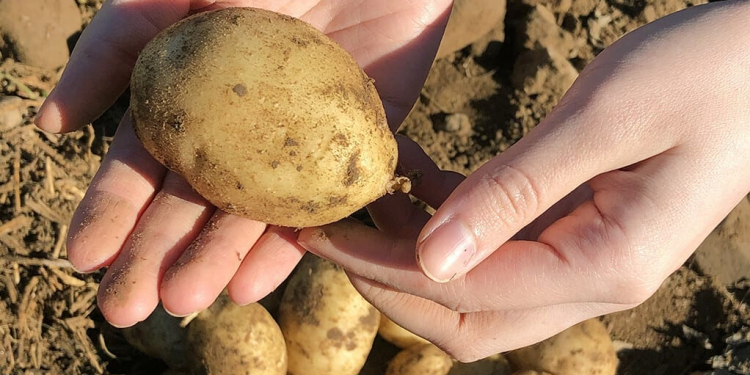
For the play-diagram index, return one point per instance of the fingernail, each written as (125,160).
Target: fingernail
(447,251)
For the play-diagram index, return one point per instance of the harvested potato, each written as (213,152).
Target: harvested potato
(264,116)
(231,339)
(585,348)
(422,359)
(160,336)
(328,326)
(397,335)
(492,365)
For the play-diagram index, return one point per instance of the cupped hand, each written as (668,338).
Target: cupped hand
(159,238)
(587,215)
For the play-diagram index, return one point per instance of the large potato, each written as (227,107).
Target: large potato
(264,116)
(421,359)
(235,340)
(584,349)
(328,326)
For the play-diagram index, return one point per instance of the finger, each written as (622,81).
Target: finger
(207,265)
(374,255)
(644,222)
(129,291)
(469,337)
(101,62)
(431,185)
(267,265)
(520,275)
(121,190)
(564,151)
(397,215)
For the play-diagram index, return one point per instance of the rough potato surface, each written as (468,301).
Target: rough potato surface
(422,359)
(584,349)
(264,116)
(329,328)
(236,340)
(397,335)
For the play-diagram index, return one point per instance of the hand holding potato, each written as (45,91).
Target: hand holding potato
(159,238)
(587,214)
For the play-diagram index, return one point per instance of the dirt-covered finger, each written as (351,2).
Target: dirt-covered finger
(129,290)
(121,190)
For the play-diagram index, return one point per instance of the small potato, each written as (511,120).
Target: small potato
(493,365)
(265,117)
(584,349)
(328,326)
(397,335)
(160,336)
(231,339)
(422,359)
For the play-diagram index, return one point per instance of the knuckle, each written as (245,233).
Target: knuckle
(510,193)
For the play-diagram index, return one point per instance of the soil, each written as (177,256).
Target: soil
(476,103)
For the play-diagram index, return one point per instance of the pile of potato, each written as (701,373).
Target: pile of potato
(269,119)
(325,327)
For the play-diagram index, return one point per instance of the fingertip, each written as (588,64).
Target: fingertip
(120,311)
(87,257)
(182,297)
(49,117)
(244,295)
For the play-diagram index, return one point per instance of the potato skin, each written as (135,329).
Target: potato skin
(264,116)
(584,349)
(397,335)
(328,326)
(160,336)
(421,359)
(235,340)
(492,365)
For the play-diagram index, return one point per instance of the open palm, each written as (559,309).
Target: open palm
(159,238)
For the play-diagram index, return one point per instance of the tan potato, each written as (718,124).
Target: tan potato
(397,335)
(585,348)
(492,365)
(231,339)
(423,359)
(160,336)
(328,326)
(264,116)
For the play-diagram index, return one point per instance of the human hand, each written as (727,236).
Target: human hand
(585,216)
(158,237)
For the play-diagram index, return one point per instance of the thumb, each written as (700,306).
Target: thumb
(579,140)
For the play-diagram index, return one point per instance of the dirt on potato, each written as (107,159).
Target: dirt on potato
(476,103)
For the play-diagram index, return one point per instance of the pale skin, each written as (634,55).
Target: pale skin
(585,216)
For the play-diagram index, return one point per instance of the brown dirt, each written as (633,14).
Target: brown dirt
(476,103)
